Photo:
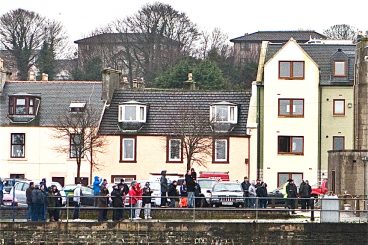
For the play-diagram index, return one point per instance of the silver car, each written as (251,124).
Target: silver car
(19,191)
(227,194)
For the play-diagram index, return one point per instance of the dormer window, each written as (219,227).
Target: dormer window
(132,111)
(224,112)
(23,105)
(340,69)
(77,107)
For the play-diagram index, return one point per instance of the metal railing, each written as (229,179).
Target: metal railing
(247,209)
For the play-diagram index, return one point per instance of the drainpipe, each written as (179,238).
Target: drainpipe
(259,127)
(319,170)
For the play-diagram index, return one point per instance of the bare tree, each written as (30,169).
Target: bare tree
(81,129)
(215,41)
(194,129)
(23,33)
(341,32)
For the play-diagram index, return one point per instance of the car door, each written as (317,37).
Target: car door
(18,193)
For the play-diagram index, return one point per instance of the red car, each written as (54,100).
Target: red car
(321,189)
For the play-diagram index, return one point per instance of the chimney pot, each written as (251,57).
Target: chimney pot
(31,76)
(44,77)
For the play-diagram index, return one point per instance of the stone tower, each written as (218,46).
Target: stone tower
(361,96)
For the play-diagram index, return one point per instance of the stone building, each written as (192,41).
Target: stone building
(347,169)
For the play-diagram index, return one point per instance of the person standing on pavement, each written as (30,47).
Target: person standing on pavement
(245,186)
(117,203)
(252,194)
(164,188)
(291,191)
(190,188)
(38,202)
(146,196)
(173,194)
(103,202)
(29,200)
(77,201)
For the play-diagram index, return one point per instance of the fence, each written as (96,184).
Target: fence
(270,209)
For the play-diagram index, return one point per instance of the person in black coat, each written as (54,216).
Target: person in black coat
(262,195)
(146,198)
(173,194)
(190,188)
(117,203)
(291,191)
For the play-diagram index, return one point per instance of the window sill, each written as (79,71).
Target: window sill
(290,154)
(281,116)
(133,161)
(338,115)
(18,159)
(170,162)
(220,162)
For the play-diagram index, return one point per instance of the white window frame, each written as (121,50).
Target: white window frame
(225,159)
(124,149)
(180,151)
(337,64)
(138,113)
(232,113)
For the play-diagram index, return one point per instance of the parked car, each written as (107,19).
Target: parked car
(9,183)
(21,187)
(276,196)
(320,189)
(87,198)
(8,200)
(227,193)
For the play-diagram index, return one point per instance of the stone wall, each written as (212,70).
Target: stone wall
(348,168)
(177,232)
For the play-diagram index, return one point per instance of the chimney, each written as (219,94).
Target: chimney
(191,82)
(125,82)
(1,64)
(138,83)
(44,77)
(31,76)
(110,82)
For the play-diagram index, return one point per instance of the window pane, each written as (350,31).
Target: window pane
(222,113)
(220,149)
(339,68)
(175,146)
(141,111)
(298,107)
(284,144)
(297,145)
(128,148)
(284,69)
(298,69)
(338,143)
(284,107)
(283,178)
(232,113)
(21,102)
(130,113)
(18,139)
(339,106)
(17,150)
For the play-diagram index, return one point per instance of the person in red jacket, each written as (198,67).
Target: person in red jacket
(135,200)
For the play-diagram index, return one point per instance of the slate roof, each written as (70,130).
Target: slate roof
(279,36)
(55,97)
(322,54)
(164,107)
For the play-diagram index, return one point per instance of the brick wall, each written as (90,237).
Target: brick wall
(182,233)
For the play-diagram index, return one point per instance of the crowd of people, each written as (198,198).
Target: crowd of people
(257,190)
(43,201)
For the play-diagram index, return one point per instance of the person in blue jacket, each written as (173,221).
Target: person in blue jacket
(96,187)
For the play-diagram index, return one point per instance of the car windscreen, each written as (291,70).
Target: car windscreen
(227,187)
(206,184)
(69,188)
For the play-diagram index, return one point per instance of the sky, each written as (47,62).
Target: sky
(234,17)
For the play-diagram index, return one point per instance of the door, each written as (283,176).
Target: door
(282,178)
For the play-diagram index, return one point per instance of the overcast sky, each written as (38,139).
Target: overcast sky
(234,17)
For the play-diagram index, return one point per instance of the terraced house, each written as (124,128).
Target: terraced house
(30,112)
(304,99)
(152,130)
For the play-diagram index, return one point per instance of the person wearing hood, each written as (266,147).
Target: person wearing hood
(77,201)
(147,192)
(103,202)
(117,203)
(96,185)
(135,200)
